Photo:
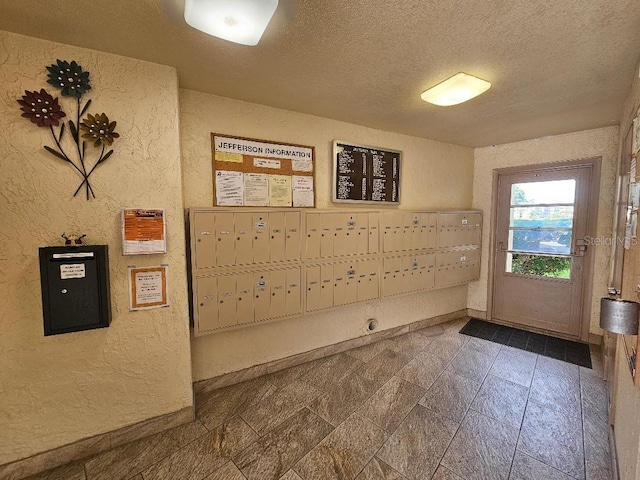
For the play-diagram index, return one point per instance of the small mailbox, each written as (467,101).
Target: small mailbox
(75,288)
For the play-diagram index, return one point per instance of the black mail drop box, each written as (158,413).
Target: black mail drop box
(75,288)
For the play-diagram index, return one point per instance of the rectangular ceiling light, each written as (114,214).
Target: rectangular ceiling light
(454,90)
(239,21)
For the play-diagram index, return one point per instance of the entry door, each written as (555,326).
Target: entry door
(540,250)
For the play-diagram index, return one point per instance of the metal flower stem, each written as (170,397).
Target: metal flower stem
(80,153)
(89,174)
(66,157)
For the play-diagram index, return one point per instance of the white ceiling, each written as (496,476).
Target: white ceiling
(556,65)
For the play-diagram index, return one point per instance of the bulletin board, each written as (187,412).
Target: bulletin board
(260,173)
(365,174)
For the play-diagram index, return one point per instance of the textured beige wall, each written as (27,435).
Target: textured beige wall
(602,142)
(59,389)
(626,395)
(434,175)
(627,418)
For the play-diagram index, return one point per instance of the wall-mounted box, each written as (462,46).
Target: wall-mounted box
(75,288)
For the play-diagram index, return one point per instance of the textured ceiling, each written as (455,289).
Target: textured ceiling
(556,66)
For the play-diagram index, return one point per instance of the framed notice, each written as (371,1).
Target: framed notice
(148,288)
(365,174)
(143,231)
(260,173)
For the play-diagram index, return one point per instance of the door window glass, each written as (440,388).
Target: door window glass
(544,193)
(541,265)
(541,228)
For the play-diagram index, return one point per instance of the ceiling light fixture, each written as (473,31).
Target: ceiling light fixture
(454,90)
(239,21)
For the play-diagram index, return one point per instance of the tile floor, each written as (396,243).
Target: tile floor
(431,404)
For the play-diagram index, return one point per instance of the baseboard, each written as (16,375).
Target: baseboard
(92,446)
(613,452)
(477,314)
(595,339)
(255,371)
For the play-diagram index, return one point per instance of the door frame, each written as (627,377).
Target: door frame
(595,163)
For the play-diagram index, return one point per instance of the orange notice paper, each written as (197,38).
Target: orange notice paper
(143,231)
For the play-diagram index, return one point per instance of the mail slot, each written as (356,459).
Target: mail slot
(75,288)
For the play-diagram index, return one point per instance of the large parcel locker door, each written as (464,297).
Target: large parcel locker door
(351,235)
(390,228)
(368,279)
(205,239)
(227,300)
(447,267)
(262,295)
(278,293)
(452,229)
(313,223)
(243,238)
(326,286)
(277,241)
(313,296)
(374,232)
(393,278)
(327,235)
(426,236)
(474,228)
(411,266)
(345,283)
(207,304)
(406,231)
(471,265)
(244,303)
(428,269)
(340,234)
(292,225)
(294,298)
(225,240)
(362,233)
(261,253)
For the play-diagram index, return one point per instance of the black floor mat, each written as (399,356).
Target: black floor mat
(565,350)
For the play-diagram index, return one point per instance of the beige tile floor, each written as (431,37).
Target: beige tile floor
(431,404)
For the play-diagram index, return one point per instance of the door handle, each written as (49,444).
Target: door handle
(580,248)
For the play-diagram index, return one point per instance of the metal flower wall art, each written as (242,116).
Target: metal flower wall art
(45,111)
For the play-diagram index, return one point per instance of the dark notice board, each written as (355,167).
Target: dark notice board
(365,174)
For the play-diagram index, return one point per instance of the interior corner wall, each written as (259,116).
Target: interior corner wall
(600,142)
(627,419)
(434,176)
(626,396)
(59,389)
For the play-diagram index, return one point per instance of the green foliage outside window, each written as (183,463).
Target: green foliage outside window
(557,267)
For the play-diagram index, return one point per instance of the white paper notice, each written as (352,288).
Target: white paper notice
(148,287)
(279,191)
(302,191)
(264,163)
(302,165)
(256,189)
(75,270)
(229,188)
(300,182)
(302,198)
